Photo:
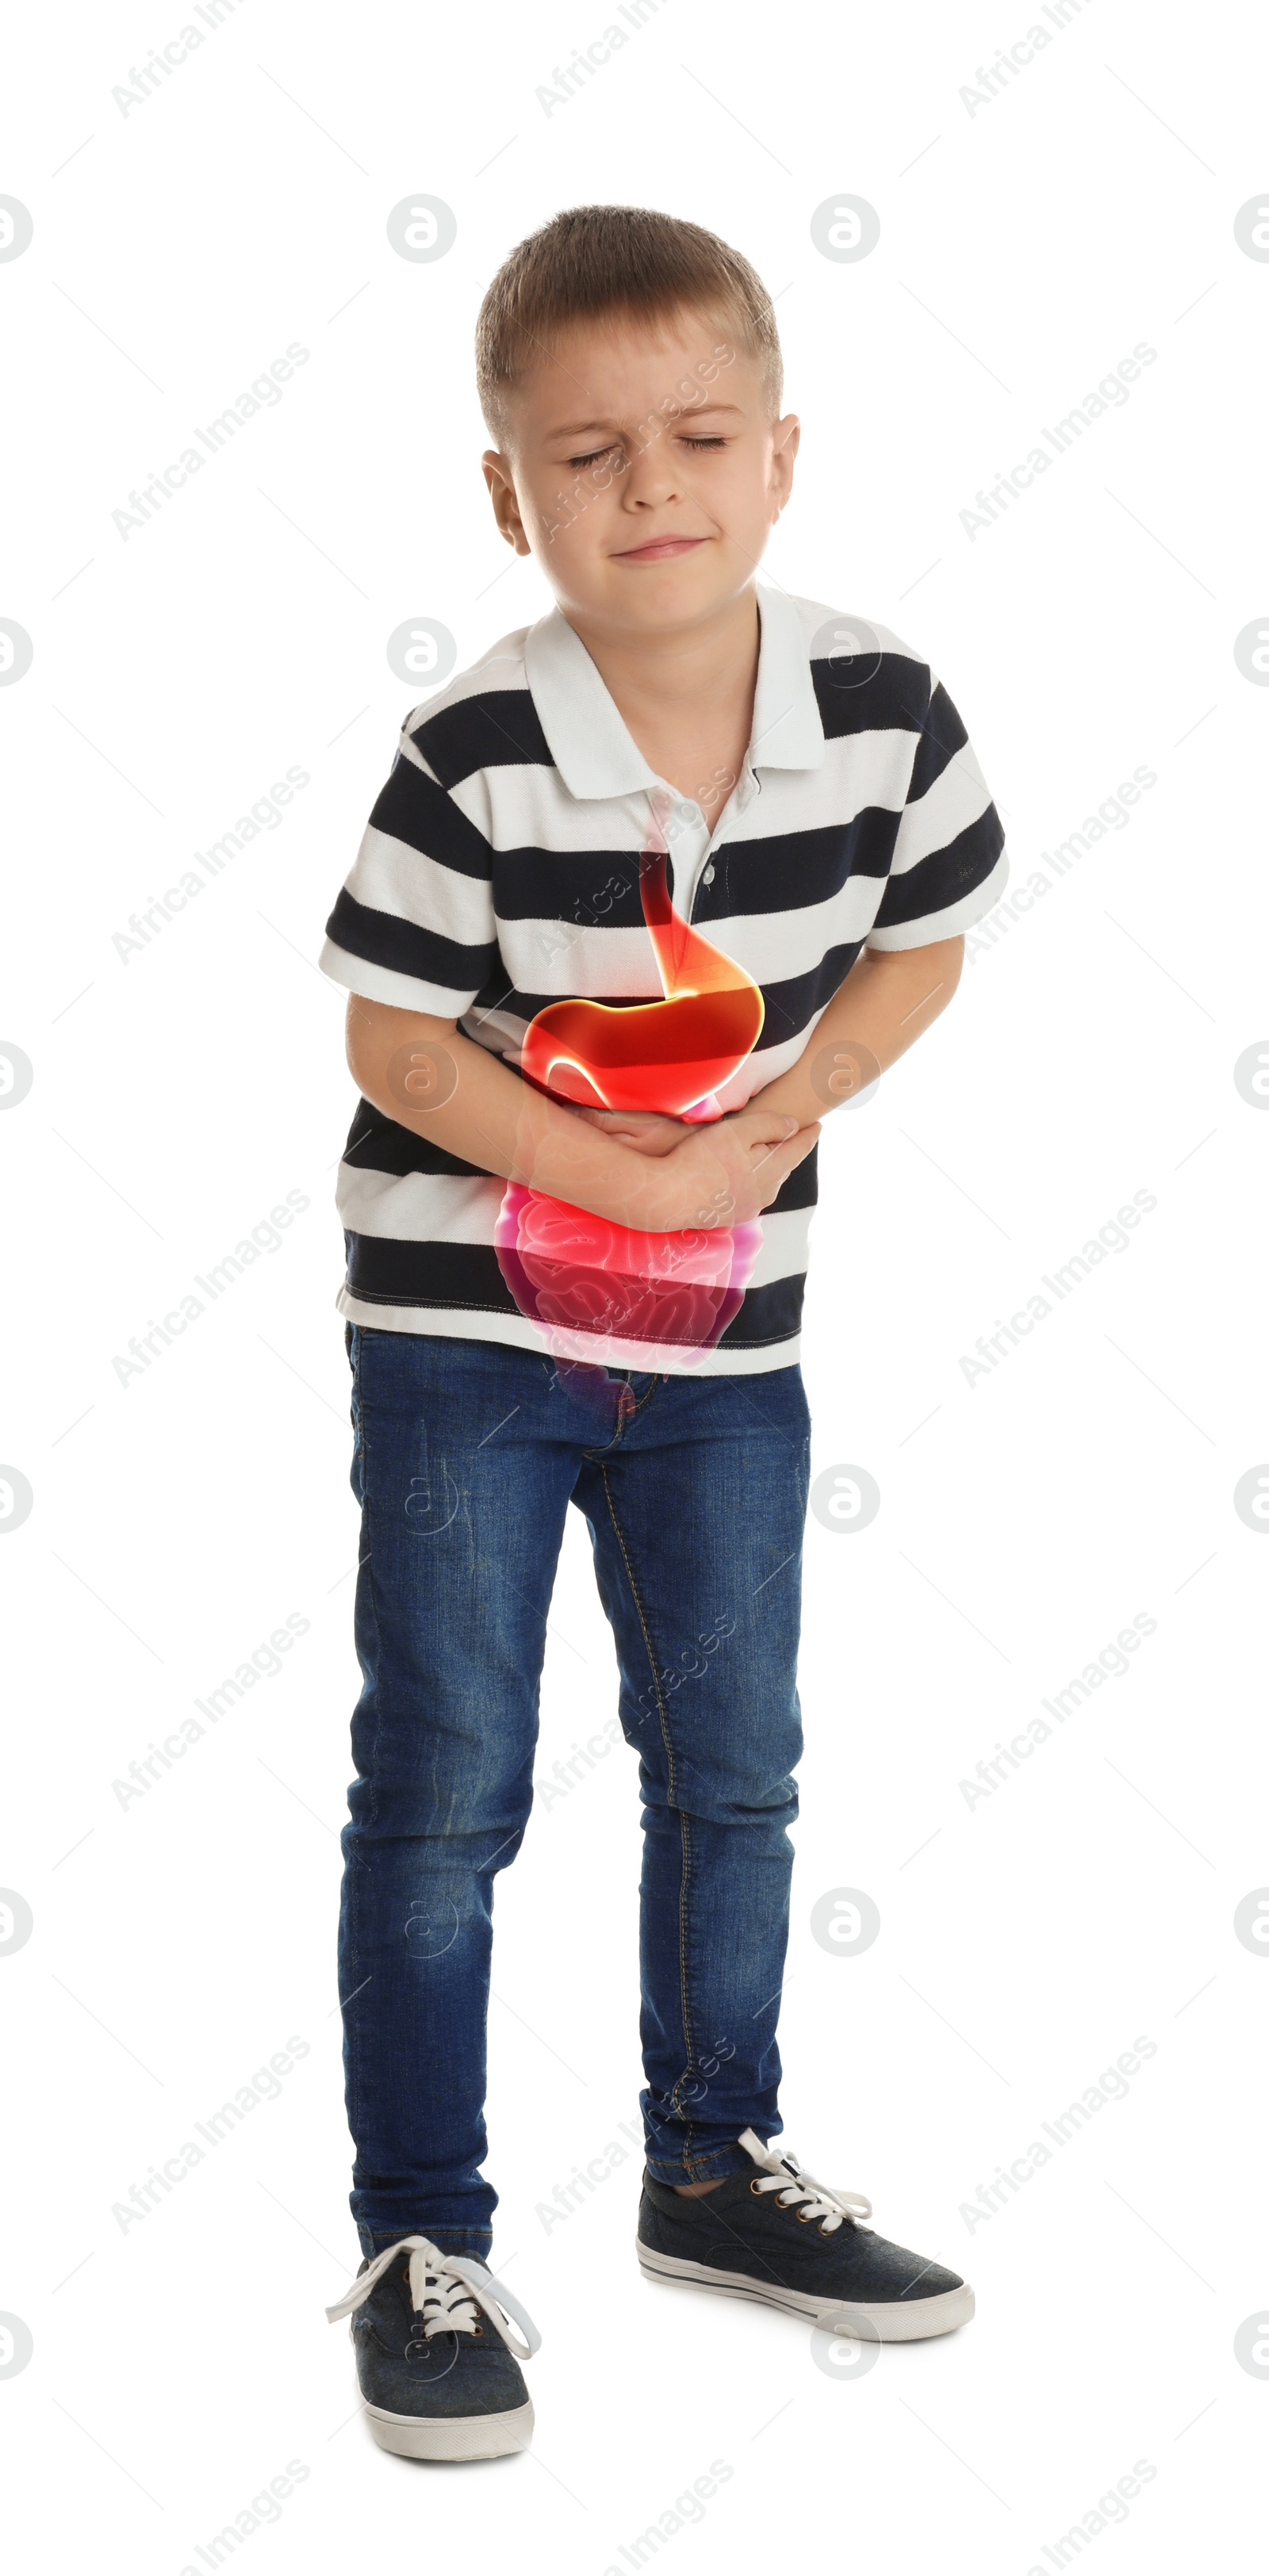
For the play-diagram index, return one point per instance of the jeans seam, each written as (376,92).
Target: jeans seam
(354,1886)
(683,1832)
(684,1883)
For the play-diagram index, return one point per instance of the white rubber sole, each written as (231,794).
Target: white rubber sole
(453,2437)
(891,2320)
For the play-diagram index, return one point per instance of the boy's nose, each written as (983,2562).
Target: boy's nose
(650,477)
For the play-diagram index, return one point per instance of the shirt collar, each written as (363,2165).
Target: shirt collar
(589,743)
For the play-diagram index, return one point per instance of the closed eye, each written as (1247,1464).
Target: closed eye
(597,454)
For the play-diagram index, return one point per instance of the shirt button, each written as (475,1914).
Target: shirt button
(709,873)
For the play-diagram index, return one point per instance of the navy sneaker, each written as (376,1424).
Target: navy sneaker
(437,2365)
(777,2235)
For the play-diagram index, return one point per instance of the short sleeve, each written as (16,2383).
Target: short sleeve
(949,864)
(414,922)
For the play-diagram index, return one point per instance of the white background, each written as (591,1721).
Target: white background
(178,1942)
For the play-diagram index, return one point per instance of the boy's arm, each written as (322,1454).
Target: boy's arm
(887,1001)
(889,998)
(487,1115)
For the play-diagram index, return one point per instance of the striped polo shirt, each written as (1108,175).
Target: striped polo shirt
(500,871)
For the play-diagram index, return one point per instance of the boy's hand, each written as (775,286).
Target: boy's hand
(724,1173)
(643,1130)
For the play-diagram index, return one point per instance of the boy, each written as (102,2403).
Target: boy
(830,834)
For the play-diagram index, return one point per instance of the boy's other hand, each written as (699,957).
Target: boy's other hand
(727,1172)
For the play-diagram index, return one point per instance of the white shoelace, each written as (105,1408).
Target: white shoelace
(795,2189)
(447,2291)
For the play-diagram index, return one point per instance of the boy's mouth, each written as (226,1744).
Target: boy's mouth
(659,549)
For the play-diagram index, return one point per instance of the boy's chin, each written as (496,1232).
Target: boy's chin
(679,592)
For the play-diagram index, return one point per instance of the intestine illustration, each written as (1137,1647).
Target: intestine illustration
(580,1276)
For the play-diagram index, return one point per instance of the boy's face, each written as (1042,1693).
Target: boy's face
(644,470)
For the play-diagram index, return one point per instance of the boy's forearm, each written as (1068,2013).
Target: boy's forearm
(485,1114)
(424,1075)
(889,998)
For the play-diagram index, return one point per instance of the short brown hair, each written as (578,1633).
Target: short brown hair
(595,260)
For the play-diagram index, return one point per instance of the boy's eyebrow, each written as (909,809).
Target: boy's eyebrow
(680,411)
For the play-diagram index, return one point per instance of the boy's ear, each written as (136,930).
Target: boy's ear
(502,492)
(785,440)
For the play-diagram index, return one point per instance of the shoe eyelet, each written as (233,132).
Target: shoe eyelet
(478,2330)
(755,2186)
(804,2216)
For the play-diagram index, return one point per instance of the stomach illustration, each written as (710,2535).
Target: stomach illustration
(581,1277)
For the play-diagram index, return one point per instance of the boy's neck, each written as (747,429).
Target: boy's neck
(685,694)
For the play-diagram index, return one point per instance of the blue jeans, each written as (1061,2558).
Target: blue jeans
(467,1455)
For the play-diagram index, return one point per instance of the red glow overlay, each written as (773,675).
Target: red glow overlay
(579,1276)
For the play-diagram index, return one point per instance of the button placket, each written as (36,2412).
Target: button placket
(688,824)
(686,816)
(738,803)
